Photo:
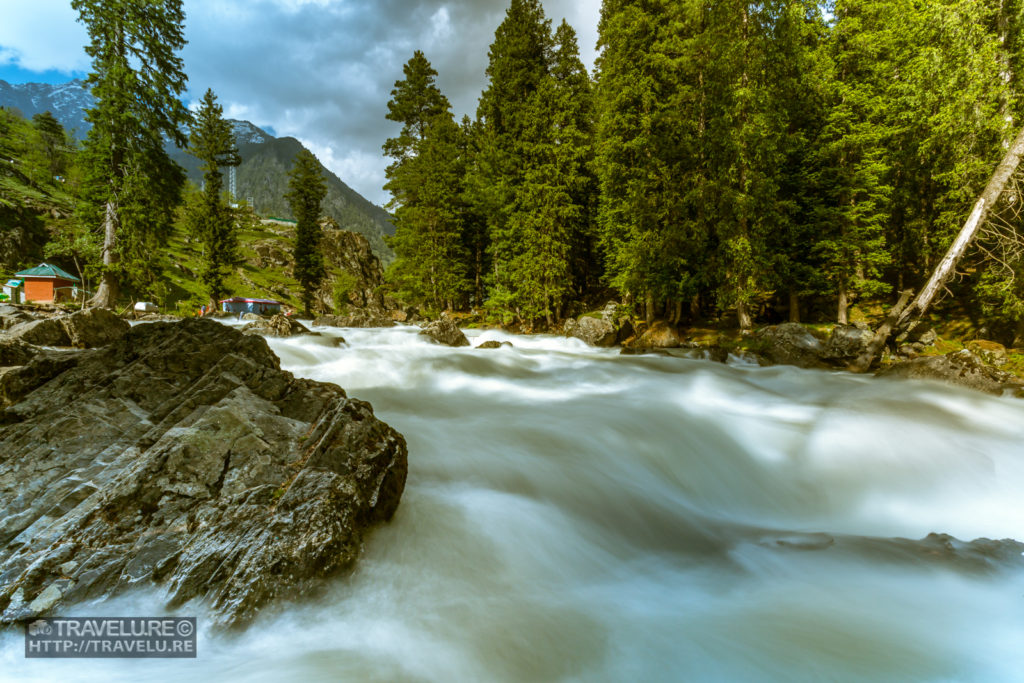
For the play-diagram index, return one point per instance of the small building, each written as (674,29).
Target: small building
(46,283)
(240,304)
(14,291)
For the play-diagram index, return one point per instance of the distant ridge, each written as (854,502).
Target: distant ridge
(262,175)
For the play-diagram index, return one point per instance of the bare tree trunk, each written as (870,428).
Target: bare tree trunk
(106,293)
(743,315)
(947,266)
(843,306)
(865,360)
(794,306)
(649,308)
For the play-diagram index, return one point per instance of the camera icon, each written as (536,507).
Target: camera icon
(40,628)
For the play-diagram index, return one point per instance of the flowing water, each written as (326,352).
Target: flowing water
(572,514)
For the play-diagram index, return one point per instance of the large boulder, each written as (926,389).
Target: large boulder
(847,342)
(94,327)
(791,344)
(183,456)
(961,368)
(445,331)
(594,331)
(989,352)
(276,326)
(660,335)
(361,318)
(15,352)
(41,332)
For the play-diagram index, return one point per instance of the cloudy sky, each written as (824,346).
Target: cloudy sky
(318,70)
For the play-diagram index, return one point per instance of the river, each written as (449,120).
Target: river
(576,515)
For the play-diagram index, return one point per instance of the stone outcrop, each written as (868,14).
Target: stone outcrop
(660,335)
(182,455)
(363,273)
(961,368)
(276,326)
(847,342)
(363,318)
(791,344)
(445,331)
(84,329)
(94,327)
(593,331)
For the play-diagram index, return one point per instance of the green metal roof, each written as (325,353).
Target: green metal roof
(47,270)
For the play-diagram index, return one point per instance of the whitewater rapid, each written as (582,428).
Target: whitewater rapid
(576,515)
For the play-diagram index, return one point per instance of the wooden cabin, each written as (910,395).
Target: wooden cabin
(46,283)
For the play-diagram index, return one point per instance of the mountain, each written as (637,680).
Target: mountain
(66,101)
(262,176)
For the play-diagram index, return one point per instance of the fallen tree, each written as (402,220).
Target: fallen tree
(946,268)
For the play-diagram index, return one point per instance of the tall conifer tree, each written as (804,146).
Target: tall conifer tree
(132,185)
(306,190)
(210,219)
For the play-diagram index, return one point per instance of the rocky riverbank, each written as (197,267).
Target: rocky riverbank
(181,455)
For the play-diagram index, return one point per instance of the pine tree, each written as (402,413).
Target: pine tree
(855,166)
(651,116)
(306,190)
(551,211)
(426,184)
(131,184)
(210,219)
(519,60)
(54,143)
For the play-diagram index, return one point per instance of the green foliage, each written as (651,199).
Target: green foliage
(306,190)
(208,216)
(131,186)
(344,284)
(426,185)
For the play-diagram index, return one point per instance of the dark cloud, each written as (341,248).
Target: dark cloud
(322,70)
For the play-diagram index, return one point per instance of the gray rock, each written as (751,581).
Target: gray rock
(660,335)
(920,332)
(15,352)
(961,368)
(277,326)
(791,344)
(848,341)
(183,456)
(493,344)
(355,319)
(94,327)
(445,331)
(42,332)
(594,331)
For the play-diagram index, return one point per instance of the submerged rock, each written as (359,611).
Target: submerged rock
(494,344)
(276,326)
(445,331)
(182,455)
(962,368)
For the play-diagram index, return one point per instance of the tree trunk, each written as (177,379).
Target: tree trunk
(947,266)
(843,305)
(743,315)
(106,293)
(794,306)
(649,308)
(865,360)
